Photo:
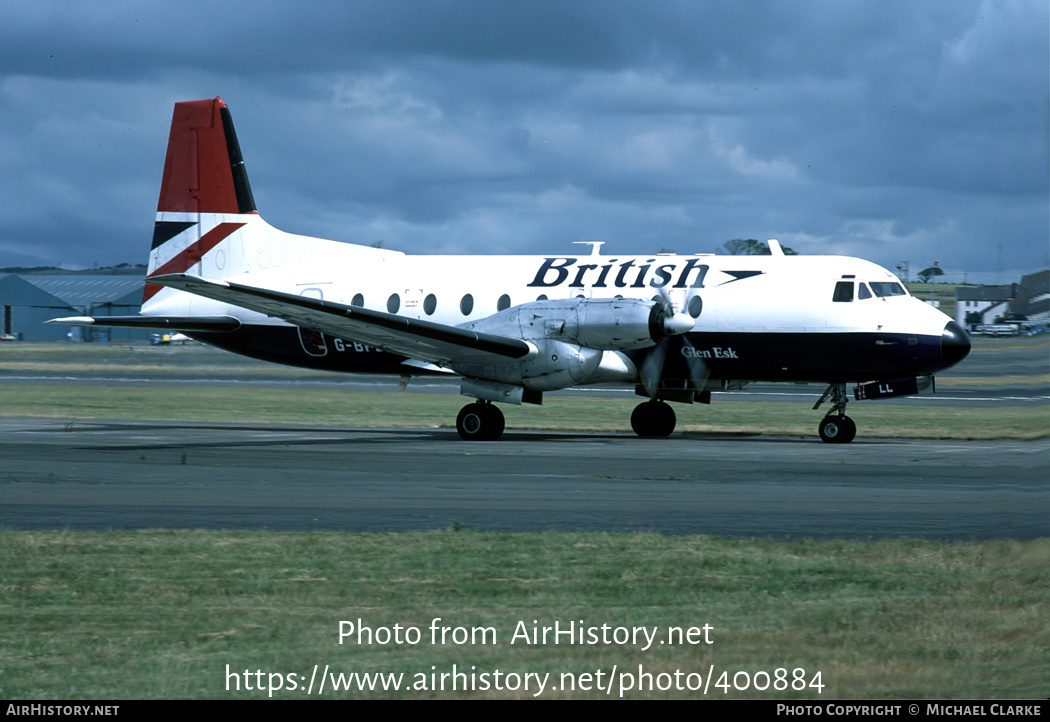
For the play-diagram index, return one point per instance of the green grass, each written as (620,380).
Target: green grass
(162,614)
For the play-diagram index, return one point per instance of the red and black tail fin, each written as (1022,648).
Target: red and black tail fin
(204,169)
(204,183)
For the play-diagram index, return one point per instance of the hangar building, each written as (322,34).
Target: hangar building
(28,300)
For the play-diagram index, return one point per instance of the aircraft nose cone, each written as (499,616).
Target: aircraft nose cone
(955,344)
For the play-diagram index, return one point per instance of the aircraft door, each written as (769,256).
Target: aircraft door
(313,342)
(841,304)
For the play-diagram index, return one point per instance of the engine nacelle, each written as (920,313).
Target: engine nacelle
(571,336)
(612,324)
(558,365)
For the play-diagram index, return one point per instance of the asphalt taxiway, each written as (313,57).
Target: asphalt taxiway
(136,475)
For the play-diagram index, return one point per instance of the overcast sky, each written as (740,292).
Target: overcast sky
(894,131)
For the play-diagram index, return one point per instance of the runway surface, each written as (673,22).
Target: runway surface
(134,475)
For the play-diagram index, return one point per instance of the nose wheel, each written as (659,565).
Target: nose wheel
(837,429)
(480,421)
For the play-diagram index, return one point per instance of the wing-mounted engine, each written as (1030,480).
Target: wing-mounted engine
(613,324)
(572,337)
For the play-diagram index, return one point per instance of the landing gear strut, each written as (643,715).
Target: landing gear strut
(480,421)
(653,419)
(836,427)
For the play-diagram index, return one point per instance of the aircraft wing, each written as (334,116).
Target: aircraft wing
(424,340)
(191,324)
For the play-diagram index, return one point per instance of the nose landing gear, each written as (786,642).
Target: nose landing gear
(836,427)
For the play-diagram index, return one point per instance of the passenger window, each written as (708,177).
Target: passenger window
(863,292)
(357,300)
(393,303)
(843,292)
(430,304)
(696,306)
(466,305)
(503,303)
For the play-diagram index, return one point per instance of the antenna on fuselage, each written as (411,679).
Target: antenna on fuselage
(596,246)
(774,247)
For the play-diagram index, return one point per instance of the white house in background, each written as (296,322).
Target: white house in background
(990,302)
(1030,298)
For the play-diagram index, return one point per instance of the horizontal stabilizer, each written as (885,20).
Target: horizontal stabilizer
(188,324)
(425,340)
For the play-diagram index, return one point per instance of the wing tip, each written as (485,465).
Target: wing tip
(72,321)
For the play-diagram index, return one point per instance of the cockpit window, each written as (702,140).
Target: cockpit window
(863,292)
(882,289)
(843,292)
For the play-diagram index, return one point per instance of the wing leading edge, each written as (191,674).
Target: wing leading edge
(424,340)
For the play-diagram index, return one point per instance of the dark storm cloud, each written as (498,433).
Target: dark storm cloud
(908,131)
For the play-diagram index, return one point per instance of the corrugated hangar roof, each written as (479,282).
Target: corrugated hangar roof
(985,293)
(83,291)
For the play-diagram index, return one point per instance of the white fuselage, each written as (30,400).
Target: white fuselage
(739,294)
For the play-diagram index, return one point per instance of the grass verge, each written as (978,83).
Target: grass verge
(162,614)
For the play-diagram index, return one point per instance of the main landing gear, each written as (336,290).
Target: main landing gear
(480,421)
(836,427)
(653,419)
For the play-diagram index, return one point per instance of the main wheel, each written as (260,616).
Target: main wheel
(480,422)
(653,419)
(497,422)
(837,429)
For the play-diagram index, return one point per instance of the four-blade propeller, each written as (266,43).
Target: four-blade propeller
(669,359)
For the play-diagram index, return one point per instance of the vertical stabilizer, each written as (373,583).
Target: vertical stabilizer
(204,190)
(204,170)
